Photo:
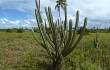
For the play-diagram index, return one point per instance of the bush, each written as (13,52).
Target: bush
(36,30)
(8,30)
(21,30)
(87,31)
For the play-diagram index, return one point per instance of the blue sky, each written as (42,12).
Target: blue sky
(20,13)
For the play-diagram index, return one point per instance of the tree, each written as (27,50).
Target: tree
(62,41)
(60,4)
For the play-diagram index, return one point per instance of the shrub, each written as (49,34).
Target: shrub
(20,30)
(36,30)
(8,30)
(87,31)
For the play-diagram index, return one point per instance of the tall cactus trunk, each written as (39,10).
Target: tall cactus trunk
(59,65)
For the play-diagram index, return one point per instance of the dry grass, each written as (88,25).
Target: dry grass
(19,51)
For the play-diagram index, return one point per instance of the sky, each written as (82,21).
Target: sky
(20,13)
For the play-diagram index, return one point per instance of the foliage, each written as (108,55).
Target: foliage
(8,30)
(87,31)
(60,4)
(20,30)
(36,29)
(94,30)
(96,41)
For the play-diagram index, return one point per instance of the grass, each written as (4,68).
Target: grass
(19,51)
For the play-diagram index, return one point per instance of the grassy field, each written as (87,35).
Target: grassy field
(19,51)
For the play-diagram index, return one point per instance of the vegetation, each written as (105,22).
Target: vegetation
(8,30)
(96,41)
(61,4)
(19,51)
(95,30)
(87,31)
(20,30)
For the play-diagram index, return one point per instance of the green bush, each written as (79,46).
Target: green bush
(36,30)
(87,31)
(21,30)
(8,30)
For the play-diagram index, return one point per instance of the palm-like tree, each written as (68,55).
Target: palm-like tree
(60,4)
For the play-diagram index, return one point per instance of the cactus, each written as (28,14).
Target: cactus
(96,41)
(62,41)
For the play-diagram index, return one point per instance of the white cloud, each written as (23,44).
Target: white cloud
(97,11)
(5,23)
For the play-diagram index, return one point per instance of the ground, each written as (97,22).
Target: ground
(19,51)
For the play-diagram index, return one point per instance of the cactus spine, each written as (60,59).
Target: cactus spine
(62,41)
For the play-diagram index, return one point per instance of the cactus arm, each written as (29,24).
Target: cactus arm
(55,39)
(60,29)
(39,22)
(40,43)
(78,40)
(38,11)
(46,28)
(76,26)
(41,27)
(65,24)
(43,33)
(69,36)
(50,14)
(63,36)
(46,36)
(49,18)
(74,34)
(58,23)
(33,33)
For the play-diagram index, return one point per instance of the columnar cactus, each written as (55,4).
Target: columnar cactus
(62,41)
(96,41)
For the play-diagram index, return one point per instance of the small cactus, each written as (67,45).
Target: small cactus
(96,41)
